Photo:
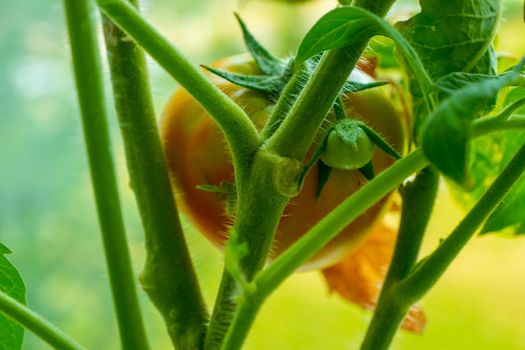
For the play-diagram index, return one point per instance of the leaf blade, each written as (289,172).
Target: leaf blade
(446,132)
(11,283)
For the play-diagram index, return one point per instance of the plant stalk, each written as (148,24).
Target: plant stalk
(260,207)
(409,290)
(297,131)
(434,266)
(36,324)
(290,141)
(418,201)
(308,245)
(168,276)
(80,15)
(240,132)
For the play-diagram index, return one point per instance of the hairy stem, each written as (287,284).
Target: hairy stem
(81,24)
(260,207)
(326,229)
(293,138)
(240,132)
(36,324)
(168,276)
(418,201)
(290,141)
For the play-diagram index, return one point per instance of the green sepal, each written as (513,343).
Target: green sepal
(268,84)
(379,141)
(267,63)
(323,174)
(354,86)
(368,171)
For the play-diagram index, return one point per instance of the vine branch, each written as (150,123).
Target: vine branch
(80,15)
(168,276)
(36,324)
(240,132)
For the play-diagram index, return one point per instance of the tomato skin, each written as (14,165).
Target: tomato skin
(197,154)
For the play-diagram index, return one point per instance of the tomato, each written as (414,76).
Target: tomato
(197,155)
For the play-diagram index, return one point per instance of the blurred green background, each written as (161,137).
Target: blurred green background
(47,215)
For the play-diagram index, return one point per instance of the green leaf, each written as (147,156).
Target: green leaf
(445,134)
(490,154)
(266,62)
(451,36)
(11,283)
(343,26)
(448,84)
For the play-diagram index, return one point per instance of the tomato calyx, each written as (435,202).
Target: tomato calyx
(347,145)
(275,72)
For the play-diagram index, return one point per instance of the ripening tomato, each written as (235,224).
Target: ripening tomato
(197,155)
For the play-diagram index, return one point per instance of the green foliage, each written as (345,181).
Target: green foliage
(11,283)
(489,155)
(344,26)
(446,131)
(450,37)
(453,36)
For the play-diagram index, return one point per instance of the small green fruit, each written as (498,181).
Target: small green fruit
(347,146)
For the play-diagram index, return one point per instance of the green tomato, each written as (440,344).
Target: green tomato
(347,146)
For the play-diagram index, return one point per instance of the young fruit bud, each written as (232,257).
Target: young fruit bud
(347,146)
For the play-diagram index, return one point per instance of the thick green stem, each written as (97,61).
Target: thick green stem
(290,93)
(240,132)
(290,141)
(168,277)
(418,201)
(81,24)
(434,266)
(389,316)
(36,324)
(260,207)
(326,229)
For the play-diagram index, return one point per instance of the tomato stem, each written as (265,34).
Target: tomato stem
(298,129)
(36,324)
(434,266)
(400,295)
(418,201)
(326,229)
(241,133)
(260,207)
(168,275)
(88,73)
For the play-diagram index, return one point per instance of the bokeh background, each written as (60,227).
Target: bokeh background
(48,219)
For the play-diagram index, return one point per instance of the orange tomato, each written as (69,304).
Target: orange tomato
(197,154)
